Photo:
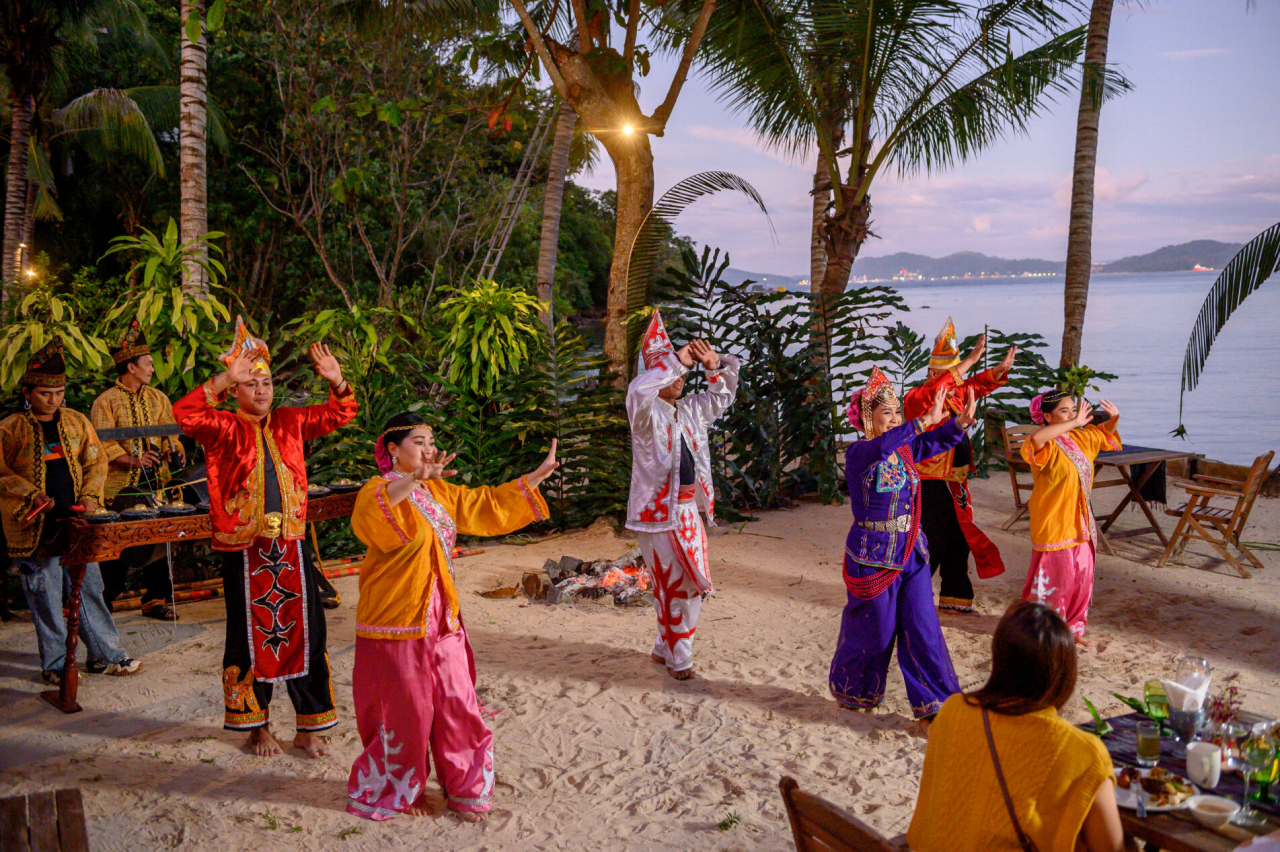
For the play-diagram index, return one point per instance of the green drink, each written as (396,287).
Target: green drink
(1158,707)
(1148,750)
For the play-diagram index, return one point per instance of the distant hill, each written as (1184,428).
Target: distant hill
(956,265)
(1179,258)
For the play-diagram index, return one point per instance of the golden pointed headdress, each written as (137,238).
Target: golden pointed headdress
(244,344)
(945,355)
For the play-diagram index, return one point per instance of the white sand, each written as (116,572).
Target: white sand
(596,747)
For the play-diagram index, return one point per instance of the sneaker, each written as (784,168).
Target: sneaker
(125,667)
(54,677)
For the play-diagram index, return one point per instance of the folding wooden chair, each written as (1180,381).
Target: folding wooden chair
(819,826)
(1219,527)
(1014,435)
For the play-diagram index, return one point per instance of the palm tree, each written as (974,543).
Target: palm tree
(552,202)
(193,142)
(597,82)
(1080,232)
(38,38)
(915,84)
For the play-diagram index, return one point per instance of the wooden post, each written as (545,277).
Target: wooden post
(64,697)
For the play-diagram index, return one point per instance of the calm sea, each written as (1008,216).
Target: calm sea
(1137,327)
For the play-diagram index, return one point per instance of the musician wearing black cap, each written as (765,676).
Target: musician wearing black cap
(50,466)
(136,467)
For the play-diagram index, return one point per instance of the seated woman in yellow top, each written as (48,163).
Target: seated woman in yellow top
(1059,777)
(1063,535)
(414,678)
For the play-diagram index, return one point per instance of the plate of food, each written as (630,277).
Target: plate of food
(1166,791)
(341,485)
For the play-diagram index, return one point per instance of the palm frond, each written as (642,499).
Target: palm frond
(162,107)
(1245,273)
(40,175)
(643,255)
(118,122)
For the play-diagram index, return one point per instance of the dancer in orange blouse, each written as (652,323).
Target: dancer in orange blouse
(414,677)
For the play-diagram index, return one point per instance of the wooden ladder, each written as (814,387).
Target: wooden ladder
(515,198)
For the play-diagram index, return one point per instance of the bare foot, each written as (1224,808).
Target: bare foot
(659,659)
(1083,642)
(420,807)
(312,744)
(683,674)
(470,816)
(262,743)
(922,727)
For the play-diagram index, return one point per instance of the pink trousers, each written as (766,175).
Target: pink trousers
(411,696)
(1063,580)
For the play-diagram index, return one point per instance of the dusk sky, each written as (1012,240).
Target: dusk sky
(1193,152)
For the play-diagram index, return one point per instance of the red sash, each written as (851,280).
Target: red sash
(986,556)
(276,598)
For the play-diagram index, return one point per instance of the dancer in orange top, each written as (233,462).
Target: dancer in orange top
(946,513)
(1063,534)
(414,677)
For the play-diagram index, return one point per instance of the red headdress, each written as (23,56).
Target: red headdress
(655,346)
(877,390)
(945,355)
(246,343)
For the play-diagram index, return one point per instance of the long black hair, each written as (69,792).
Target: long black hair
(395,429)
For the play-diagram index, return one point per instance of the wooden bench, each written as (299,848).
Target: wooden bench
(49,821)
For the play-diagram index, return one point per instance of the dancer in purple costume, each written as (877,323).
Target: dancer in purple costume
(886,559)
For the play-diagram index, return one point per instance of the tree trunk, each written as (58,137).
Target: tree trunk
(1080,234)
(633,163)
(15,199)
(29,217)
(842,237)
(193,147)
(552,202)
(821,200)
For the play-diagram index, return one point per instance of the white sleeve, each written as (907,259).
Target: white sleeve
(644,389)
(722,387)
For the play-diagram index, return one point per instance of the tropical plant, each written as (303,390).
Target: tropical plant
(916,84)
(1257,261)
(908,355)
(185,330)
(40,317)
(490,333)
(37,40)
(1080,230)
(597,81)
(652,238)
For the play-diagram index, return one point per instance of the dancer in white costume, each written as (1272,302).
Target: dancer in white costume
(671,481)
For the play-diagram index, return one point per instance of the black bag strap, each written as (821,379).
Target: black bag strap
(1027,844)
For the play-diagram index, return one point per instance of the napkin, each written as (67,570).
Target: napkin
(1265,843)
(1188,695)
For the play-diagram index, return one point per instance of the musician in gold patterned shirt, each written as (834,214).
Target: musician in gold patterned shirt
(136,466)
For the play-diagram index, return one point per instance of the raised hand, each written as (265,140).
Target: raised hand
(1110,408)
(1003,368)
(969,416)
(976,355)
(937,412)
(437,467)
(241,368)
(684,354)
(702,351)
(326,364)
(545,469)
(1084,415)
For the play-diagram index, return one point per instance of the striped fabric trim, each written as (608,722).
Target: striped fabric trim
(369,628)
(527,491)
(386,513)
(361,809)
(318,721)
(244,721)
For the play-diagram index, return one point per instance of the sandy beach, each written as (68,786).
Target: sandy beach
(596,747)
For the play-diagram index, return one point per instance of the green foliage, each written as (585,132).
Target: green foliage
(1078,380)
(40,317)
(163,257)
(492,328)
(731,821)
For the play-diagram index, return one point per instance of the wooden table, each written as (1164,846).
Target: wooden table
(1122,461)
(1177,831)
(51,821)
(99,542)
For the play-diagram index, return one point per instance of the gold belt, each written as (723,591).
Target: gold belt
(902,523)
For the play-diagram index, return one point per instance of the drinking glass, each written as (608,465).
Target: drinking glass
(1190,666)
(1265,778)
(1157,701)
(1257,751)
(1148,748)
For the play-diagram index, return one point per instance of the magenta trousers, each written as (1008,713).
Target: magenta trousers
(416,698)
(1063,581)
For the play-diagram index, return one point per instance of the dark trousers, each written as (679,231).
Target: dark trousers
(156,585)
(948,550)
(247,699)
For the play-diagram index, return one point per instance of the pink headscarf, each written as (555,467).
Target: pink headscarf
(380,455)
(1037,410)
